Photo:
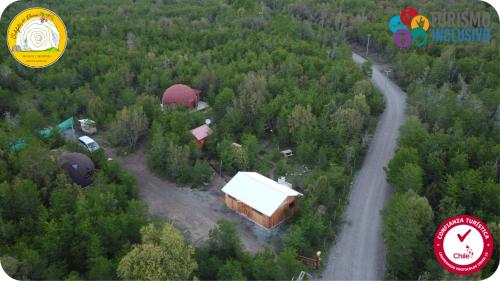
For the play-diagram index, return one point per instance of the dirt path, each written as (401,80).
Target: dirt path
(191,210)
(359,251)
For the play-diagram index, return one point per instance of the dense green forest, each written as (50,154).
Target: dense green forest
(276,74)
(448,160)
(272,81)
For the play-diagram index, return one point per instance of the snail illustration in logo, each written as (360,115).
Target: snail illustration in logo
(37,34)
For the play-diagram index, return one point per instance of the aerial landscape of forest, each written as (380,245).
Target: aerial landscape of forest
(190,100)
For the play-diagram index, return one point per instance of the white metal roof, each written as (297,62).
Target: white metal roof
(86,139)
(261,193)
(85,121)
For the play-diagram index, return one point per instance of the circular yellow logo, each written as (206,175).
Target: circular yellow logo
(420,22)
(37,37)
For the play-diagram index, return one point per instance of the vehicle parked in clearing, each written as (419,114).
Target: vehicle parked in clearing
(88,126)
(88,143)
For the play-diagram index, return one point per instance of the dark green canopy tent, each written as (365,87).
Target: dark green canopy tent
(45,133)
(63,126)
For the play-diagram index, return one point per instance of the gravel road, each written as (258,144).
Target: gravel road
(359,251)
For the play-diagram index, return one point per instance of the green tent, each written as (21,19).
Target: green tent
(63,126)
(18,145)
(47,132)
(66,124)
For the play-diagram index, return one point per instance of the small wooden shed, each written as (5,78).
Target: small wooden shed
(201,134)
(260,199)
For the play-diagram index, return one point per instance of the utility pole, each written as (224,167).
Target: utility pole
(367,44)
(387,71)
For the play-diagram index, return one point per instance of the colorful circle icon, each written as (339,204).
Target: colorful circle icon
(420,22)
(418,37)
(395,24)
(409,29)
(407,15)
(402,38)
(37,37)
(463,244)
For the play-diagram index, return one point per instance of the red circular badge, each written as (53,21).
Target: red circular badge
(463,244)
(407,15)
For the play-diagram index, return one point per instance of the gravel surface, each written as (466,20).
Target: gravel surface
(193,211)
(359,251)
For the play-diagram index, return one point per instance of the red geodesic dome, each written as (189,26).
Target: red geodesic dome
(181,95)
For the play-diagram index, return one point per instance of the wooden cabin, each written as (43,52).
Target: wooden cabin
(260,199)
(201,134)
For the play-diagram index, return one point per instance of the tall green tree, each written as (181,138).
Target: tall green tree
(129,126)
(162,255)
(404,171)
(253,93)
(408,220)
(231,270)
(301,122)
(224,240)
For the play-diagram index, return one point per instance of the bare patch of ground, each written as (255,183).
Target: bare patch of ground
(193,211)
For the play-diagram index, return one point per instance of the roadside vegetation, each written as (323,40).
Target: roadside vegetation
(273,82)
(448,158)
(277,75)
(53,229)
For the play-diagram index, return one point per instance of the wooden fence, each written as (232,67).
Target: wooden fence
(310,262)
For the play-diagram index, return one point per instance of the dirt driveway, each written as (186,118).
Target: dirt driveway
(191,210)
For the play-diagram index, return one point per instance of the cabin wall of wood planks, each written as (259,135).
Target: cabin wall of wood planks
(201,143)
(288,207)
